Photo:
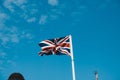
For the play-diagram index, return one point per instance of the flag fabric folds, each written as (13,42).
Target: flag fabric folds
(56,46)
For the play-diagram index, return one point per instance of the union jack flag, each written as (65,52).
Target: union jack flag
(56,46)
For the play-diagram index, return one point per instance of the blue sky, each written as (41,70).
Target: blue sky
(93,24)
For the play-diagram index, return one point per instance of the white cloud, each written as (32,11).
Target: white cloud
(14,38)
(80,10)
(2,55)
(26,35)
(53,17)
(29,12)
(53,2)
(12,35)
(9,4)
(33,19)
(4,39)
(29,36)
(19,2)
(3,17)
(9,35)
(43,19)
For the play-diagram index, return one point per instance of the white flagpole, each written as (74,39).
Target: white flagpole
(96,75)
(72,58)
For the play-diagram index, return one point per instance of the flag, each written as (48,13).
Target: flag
(56,46)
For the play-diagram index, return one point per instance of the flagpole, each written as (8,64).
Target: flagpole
(72,58)
(96,75)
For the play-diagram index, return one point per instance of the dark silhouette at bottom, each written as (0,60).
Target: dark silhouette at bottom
(16,76)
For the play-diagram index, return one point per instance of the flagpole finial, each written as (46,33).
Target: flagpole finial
(96,72)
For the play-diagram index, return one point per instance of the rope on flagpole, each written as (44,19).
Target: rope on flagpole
(72,58)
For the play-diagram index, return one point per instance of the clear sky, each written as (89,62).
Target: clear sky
(93,24)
